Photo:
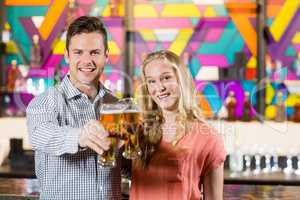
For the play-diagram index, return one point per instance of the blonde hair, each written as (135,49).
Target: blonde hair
(188,109)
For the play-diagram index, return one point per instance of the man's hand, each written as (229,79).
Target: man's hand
(94,136)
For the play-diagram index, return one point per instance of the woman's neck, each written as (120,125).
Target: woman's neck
(170,116)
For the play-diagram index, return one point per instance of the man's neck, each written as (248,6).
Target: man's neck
(91,90)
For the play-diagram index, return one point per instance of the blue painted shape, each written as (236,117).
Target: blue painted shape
(210,91)
(194,67)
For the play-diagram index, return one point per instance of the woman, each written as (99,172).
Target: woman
(179,149)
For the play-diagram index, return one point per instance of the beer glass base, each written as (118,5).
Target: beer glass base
(104,164)
(131,155)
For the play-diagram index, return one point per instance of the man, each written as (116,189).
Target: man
(63,126)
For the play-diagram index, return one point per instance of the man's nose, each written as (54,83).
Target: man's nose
(87,58)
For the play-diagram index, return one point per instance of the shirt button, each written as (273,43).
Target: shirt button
(101,188)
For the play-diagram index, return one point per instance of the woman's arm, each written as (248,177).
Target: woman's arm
(213,184)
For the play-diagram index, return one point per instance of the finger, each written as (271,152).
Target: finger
(95,147)
(102,142)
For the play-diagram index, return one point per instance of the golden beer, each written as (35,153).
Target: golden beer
(111,121)
(130,130)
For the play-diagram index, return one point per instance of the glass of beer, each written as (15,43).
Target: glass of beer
(110,118)
(131,128)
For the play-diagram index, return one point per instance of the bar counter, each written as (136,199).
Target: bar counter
(21,184)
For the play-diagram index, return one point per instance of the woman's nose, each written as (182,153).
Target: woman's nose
(161,87)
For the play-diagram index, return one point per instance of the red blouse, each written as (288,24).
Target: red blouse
(175,171)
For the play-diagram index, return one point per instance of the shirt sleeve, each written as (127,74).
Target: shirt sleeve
(214,152)
(45,133)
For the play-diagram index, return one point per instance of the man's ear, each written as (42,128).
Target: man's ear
(66,55)
(106,56)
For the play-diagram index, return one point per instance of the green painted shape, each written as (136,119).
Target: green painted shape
(290,51)
(194,20)
(219,47)
(234,46)
(194,67)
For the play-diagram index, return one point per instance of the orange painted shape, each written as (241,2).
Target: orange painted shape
(51,17)
(27,2)
(273,10)
(205,107)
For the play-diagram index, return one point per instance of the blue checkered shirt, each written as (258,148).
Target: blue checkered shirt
(54,119)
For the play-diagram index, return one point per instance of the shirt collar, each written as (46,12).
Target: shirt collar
(71,91)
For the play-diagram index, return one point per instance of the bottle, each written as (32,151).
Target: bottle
(246,108)
(236,161)
(13,74)
(35,52)
(280,108)
(231,106)
(70,13)
(296,115)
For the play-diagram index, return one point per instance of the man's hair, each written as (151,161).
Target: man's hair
(86,24)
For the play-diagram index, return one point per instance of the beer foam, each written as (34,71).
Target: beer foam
(111,112)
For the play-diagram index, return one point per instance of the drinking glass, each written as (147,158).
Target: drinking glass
(131,129)
(110,118)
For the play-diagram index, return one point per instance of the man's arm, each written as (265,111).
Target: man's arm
(45,134)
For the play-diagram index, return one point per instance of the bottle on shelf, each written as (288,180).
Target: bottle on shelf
(13,75)
(70,12)
(296,115)
(230,103)
(247,108)
(114,8)
(236,161)
(280,108)
(35,52)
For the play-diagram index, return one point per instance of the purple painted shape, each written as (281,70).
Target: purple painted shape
(215,22)
(113,21)
(213,60)
(213,35)
(291,75)
(117,35)
(277,50)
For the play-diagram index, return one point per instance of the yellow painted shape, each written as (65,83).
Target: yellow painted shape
(270,92)
(181,41)
(145,11)
(296,38)
(27,2)
(284,17)
(180,10)
(51,17)
(106,11)
(11,47)
(59,47)
(113,48)
(270,112)
(252,62)
(291,100)
(147,35)
(210,12)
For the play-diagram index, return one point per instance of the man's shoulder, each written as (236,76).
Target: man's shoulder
(108,96)
(47,97)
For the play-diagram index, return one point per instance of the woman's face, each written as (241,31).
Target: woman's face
(162,84)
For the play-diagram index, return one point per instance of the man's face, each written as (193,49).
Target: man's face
(86,58)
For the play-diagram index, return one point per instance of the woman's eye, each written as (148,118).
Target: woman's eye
(150,81)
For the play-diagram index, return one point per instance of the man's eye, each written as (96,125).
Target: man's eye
(95,53)
(77,52)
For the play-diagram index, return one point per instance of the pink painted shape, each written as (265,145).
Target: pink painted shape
(53,61)
(88,2)
(165,45)
(40,73)
(213,35)
(213,60)
(155,23)
(151,45)
(114,76)
(194,46)
(291,75)
(117,35)
(297,47)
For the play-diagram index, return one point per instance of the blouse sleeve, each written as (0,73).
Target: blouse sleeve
(213,153)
